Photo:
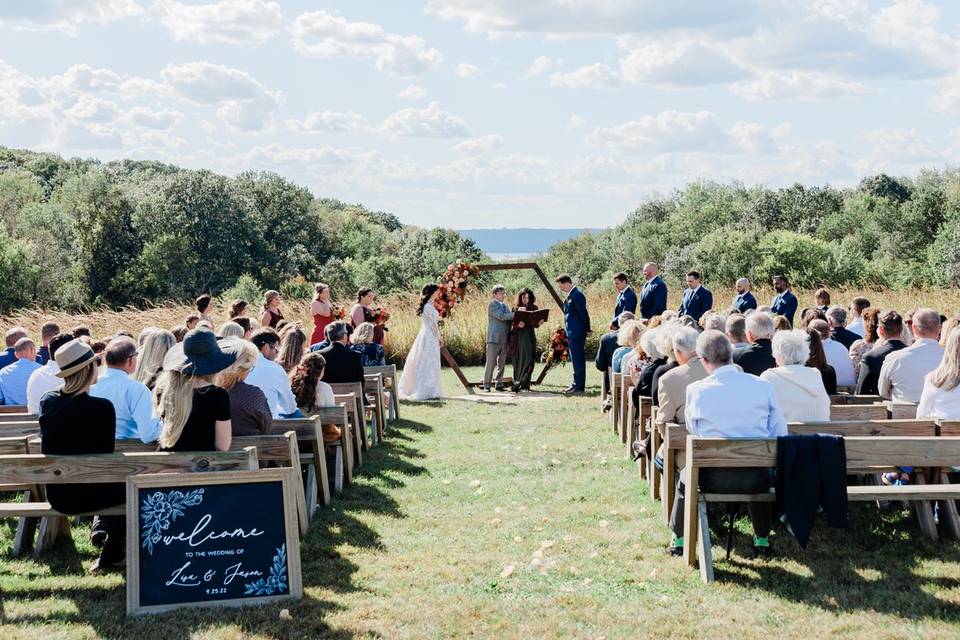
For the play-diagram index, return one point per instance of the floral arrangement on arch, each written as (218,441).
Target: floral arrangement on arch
(559,348)
(453,286)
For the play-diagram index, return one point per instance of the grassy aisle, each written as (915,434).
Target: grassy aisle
(523,521)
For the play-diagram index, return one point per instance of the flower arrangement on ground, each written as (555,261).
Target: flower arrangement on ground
(559,348)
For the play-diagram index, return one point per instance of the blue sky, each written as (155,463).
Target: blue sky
(489,113)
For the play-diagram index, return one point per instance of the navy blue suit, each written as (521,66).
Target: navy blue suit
(785,304)
(696,303)
(743,302)
(653,298)
(626,301)
(576,323)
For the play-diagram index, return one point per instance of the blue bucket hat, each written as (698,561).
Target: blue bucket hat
(201,354)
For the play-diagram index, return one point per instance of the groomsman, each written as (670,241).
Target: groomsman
(784,303)
(626,301)
(653,297)
(744,299)
(697,299)
(576,322)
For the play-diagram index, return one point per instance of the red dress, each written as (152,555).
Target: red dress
(319,324)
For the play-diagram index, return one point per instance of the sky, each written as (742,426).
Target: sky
(491,113)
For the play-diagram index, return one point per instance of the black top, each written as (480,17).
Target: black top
(608,344)
(210,403)
(343,365)
(870,365)
(755,358)
(75,425)
(845,336)
(645,382)
(829,376)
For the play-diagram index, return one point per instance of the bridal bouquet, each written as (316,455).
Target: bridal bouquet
(559,347)
(453,286)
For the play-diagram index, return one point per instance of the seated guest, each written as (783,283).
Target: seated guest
(80,331)
(195,413)
(857,306)
(870,338)
(903,372)
(837,319)
(249,411)
(780,323)
(342,364)
(665,345)
(744,299)
(643,370)
(231,329)
(836,354)
(627,337)
(130,398)
(246,324)
(822,297)
(45,379)
(14,377)
(371,354)
(889,326)
(713,320)
(818,360)
(238,308)
(758,357)
(672,386)
(204,307)
(155,346)
(799,389)
(179,332)
(949,326)
(809,315)
(730,404)
(11,337)
(48,332)
(312,392)
(293,339)
(736,330)
(270,377)
(72,422)
(192,321)
(940,398)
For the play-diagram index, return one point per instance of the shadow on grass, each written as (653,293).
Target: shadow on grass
(86,600)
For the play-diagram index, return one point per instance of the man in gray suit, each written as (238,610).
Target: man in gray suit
(498,331)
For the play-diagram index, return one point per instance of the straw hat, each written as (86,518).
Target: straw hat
(73,356)
(200,353)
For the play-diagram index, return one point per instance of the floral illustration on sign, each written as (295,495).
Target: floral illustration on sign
(160,509)
(276,582)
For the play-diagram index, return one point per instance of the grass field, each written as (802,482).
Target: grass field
(523,521)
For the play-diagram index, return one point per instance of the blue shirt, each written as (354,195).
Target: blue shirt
(13,381)
(132,403)
(617,361)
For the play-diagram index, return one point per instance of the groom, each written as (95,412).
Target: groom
(498,333)
(576,322)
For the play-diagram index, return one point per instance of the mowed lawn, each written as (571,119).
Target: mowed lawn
(523,521)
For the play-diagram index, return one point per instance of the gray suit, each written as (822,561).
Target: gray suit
(498,332)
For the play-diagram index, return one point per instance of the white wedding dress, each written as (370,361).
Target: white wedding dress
(420,379)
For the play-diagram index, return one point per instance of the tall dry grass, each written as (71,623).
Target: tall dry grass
(465,333)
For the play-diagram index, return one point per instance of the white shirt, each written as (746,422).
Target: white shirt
(856,326)
(800,392)
(270,378)
(936,403)
(903,371)
(733,404)
(325,395)
(839,358)
(42,381)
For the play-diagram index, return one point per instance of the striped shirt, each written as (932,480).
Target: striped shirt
(13,381)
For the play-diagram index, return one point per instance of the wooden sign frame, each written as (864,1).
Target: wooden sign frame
(497,266)
(290,517)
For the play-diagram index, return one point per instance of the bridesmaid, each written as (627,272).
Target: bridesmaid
(523,359)
(362,312)
(271,309)
(322,312)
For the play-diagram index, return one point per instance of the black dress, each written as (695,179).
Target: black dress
(210,404)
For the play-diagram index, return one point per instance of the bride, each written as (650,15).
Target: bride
(420,379)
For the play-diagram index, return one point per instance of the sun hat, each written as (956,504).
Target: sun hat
(73,356)
(201,354)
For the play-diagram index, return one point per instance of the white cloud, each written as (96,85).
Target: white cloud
(675,62)
(324,35)
(466,70)
(483,144)
(431,122)
(947,99)
(539,67)
(91,109)
(328,121)
(594,76)
(413,92)
(896,151)
(244,103)
(282,155)
(64,15)
(226,21)
(163,119)
(575,122)
(796,85)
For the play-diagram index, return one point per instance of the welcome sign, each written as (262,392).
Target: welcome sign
(226,538)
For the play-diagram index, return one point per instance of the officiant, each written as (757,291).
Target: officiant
(499,318)
(523,340)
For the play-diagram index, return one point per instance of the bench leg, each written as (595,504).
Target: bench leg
(669,483)
(704,548)
(691,524)
(346,446)
(297,483)
(320,464)
(949,517)
(52,529)
(654,473)
(924,511)
(357,440)
(26,527)
(338,470)
(310,491)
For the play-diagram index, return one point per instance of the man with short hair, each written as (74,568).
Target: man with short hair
(130,398)
(903,372)
(626,298)
(672,387)
(576,321)
(48,332)
(837,318)
(608,344)
(697,299)
(14,377)
(838,356)
(857,306)
(499,319)
(744,299)
(270,377)
(45,379)
(343,364)
(653,296)
(730,404)
(10,338)
(889,328)
(757,357)
(736,330)
(784,303)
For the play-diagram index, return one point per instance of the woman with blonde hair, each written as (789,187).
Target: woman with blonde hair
(195,414)
(154,349)
(941,387)
(371,354)
(271,309)
(870,337)
(249,410)
(231,329)
(627,337)
(949,326)
(292,342)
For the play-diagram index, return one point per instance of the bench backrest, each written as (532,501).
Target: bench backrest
(307,429)
(347,387)
(852,428)
(331,415)
(13,408)
(387,370)
(14,445)
(36,468)
(849,398)
(949,428)
(19,428)
(858,412)
(270,447)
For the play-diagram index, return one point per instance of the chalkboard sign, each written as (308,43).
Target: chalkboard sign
(227,538)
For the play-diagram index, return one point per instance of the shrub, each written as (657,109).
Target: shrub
(245,288)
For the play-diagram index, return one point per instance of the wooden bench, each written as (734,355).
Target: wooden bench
(19,428)
(901,410)
(374,386)
(604,386)
(338,416)
(389,374)
(616,391)
(361,440)
(356,389)
(312,456)
(849,398)
(864,455)
(13,408)
(858,412)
